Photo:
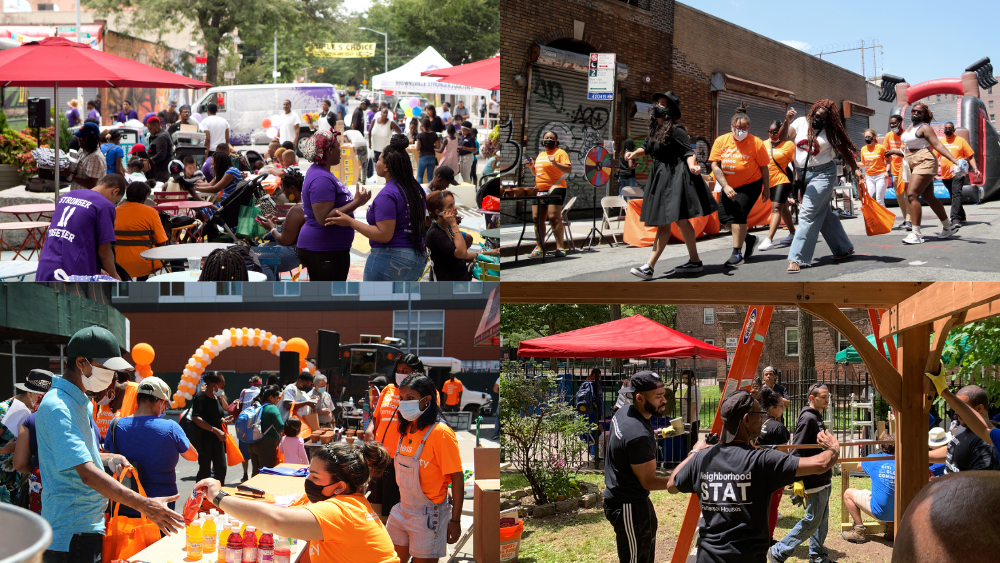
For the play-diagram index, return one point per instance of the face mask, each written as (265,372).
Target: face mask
(915,119)
(869,140)
(949,132)
(818,124)
(163,411)
(321,389)
(106,400)
(740,135)
(218,392)
(410,410)
(314,492)
(548,143)
(659,112)
(400,377)
(99,379)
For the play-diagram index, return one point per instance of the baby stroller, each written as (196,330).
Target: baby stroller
(222,225)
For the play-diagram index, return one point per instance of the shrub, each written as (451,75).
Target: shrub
(15,150)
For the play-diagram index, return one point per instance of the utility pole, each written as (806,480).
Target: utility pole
(274,73)
(79,36)
(862,48)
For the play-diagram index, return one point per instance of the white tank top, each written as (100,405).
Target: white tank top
(913,142)
(381,134)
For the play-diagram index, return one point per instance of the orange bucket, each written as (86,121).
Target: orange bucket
(510,542)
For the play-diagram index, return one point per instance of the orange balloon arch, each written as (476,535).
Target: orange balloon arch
(247,337)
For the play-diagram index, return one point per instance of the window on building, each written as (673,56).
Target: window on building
(842,343)
(119,289)
(171,288)
(229,288)
(406,287)
(424,331)
(990,91)
(939,97)
(343,288)
(791,341)
(286,289)
(709,315)
(481,365)
(46,7)
(993,117)
(468,287)
(708,341)
(991,107)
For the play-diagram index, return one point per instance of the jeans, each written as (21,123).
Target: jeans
(816,216)
(83,548)
(394,264)
(289,261)
(428,163)
(954,187)
(813,526)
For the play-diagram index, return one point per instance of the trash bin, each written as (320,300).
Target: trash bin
(510,542)
(24,536)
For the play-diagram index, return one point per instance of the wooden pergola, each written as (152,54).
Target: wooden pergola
(914,312)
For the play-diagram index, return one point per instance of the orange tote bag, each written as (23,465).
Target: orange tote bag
(127,536)
(878,220)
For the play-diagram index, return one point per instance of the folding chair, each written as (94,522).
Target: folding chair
(630,192)
(567,225)
(189,232)
(611,202)
(147,242)
(491,271)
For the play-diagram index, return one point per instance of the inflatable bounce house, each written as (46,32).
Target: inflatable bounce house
(969,115)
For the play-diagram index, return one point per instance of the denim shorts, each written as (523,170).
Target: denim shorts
(424,530)
(394,264)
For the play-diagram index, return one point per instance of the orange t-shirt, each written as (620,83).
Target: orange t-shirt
(438,461)
(783,154)
(453,389)
(385,413)
(959,148)
(131,216)
(351,532)
(893,143)
(103,414)
(546,175)
(740,161)
(874,159)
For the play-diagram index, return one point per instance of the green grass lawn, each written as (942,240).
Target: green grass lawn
(584,536)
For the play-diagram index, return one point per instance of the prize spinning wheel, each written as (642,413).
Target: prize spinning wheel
(597,166)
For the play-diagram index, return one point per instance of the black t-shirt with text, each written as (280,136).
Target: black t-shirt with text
(808,426)
(632,443)
(734,485)
(968,452)
(773,433)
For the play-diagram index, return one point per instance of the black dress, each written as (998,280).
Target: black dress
(672,192)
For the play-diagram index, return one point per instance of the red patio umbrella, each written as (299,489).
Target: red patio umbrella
(442,72)
(486,76)
(489,324)
(56,61)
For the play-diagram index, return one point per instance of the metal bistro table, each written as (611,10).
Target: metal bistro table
(34,234)
(524,224)
(182,204)
(17,269)
(182,251)
(24,212)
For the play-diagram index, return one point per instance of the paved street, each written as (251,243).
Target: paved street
(973,254)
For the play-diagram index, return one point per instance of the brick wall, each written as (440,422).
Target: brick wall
(729,323)
(988,97)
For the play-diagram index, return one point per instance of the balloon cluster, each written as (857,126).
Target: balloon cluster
(142,355)
(253,337)
(414,109)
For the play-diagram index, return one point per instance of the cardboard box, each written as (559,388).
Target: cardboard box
(487,462)
(486,520)
(339,126)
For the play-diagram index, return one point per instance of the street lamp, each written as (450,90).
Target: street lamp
(386,45)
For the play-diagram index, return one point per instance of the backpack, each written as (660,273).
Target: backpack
(584,400)
(248,424)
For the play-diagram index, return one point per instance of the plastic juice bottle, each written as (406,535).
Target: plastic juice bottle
(282,551)
(250,545)
(234,548)
(208,531)
(194,541)
(266,549)
(227,529)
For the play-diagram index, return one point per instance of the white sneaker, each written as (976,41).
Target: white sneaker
(947,231)
(765,244)
(913,238)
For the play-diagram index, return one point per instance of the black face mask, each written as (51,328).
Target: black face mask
(548,143)
(314,492)
(659,112)
(818,124)
(914,119)
(869,140)
(949,132)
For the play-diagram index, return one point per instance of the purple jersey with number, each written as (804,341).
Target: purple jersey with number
(83,220)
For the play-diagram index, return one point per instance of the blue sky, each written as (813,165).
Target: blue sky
(920,39)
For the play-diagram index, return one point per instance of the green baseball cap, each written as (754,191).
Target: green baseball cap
(101,345)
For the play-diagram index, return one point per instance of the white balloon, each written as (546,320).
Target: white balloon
(273,339)
(282,345)
(214,349)
(207,343)
(226,334)
(270,346)
(188,372)
(239,341)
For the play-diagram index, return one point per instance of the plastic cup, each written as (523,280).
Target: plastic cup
(194,263)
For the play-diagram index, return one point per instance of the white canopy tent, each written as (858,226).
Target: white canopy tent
(407,78)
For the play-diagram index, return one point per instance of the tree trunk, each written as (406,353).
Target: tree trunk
(212,66)
(616,314)
(807,356)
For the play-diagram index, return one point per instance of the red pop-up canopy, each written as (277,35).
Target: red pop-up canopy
(483,74)
(632,337)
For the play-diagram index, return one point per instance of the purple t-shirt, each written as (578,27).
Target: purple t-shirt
(391,203)
(73,117)
(82,221)
(319,186)
(206,169)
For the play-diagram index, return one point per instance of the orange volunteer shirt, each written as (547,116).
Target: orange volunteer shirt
(453,389)
(874,160)
(131,216)
(438,461)
(103,415)
(959,148)
(352,532)
(783,154)
(740,161)
(892,142)
(547,176)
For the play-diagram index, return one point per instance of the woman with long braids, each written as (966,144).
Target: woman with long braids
(919,139)
(815,137)
(427,460)
(395,218)
(780,177)
(224,264)
(325,249)
(675,191)
(740,165)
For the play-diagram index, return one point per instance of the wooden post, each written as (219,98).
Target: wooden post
(911,422)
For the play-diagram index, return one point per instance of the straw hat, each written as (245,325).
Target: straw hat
(73,103)
(938,437)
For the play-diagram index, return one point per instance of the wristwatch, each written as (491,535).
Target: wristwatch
(218,497)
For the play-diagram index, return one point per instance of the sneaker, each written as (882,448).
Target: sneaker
(689,267)
(907,225)
(913,238)
(788,239)
(735,260)
(765,244)
(750,242)
(645,272)
(856,535)
(947,232)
